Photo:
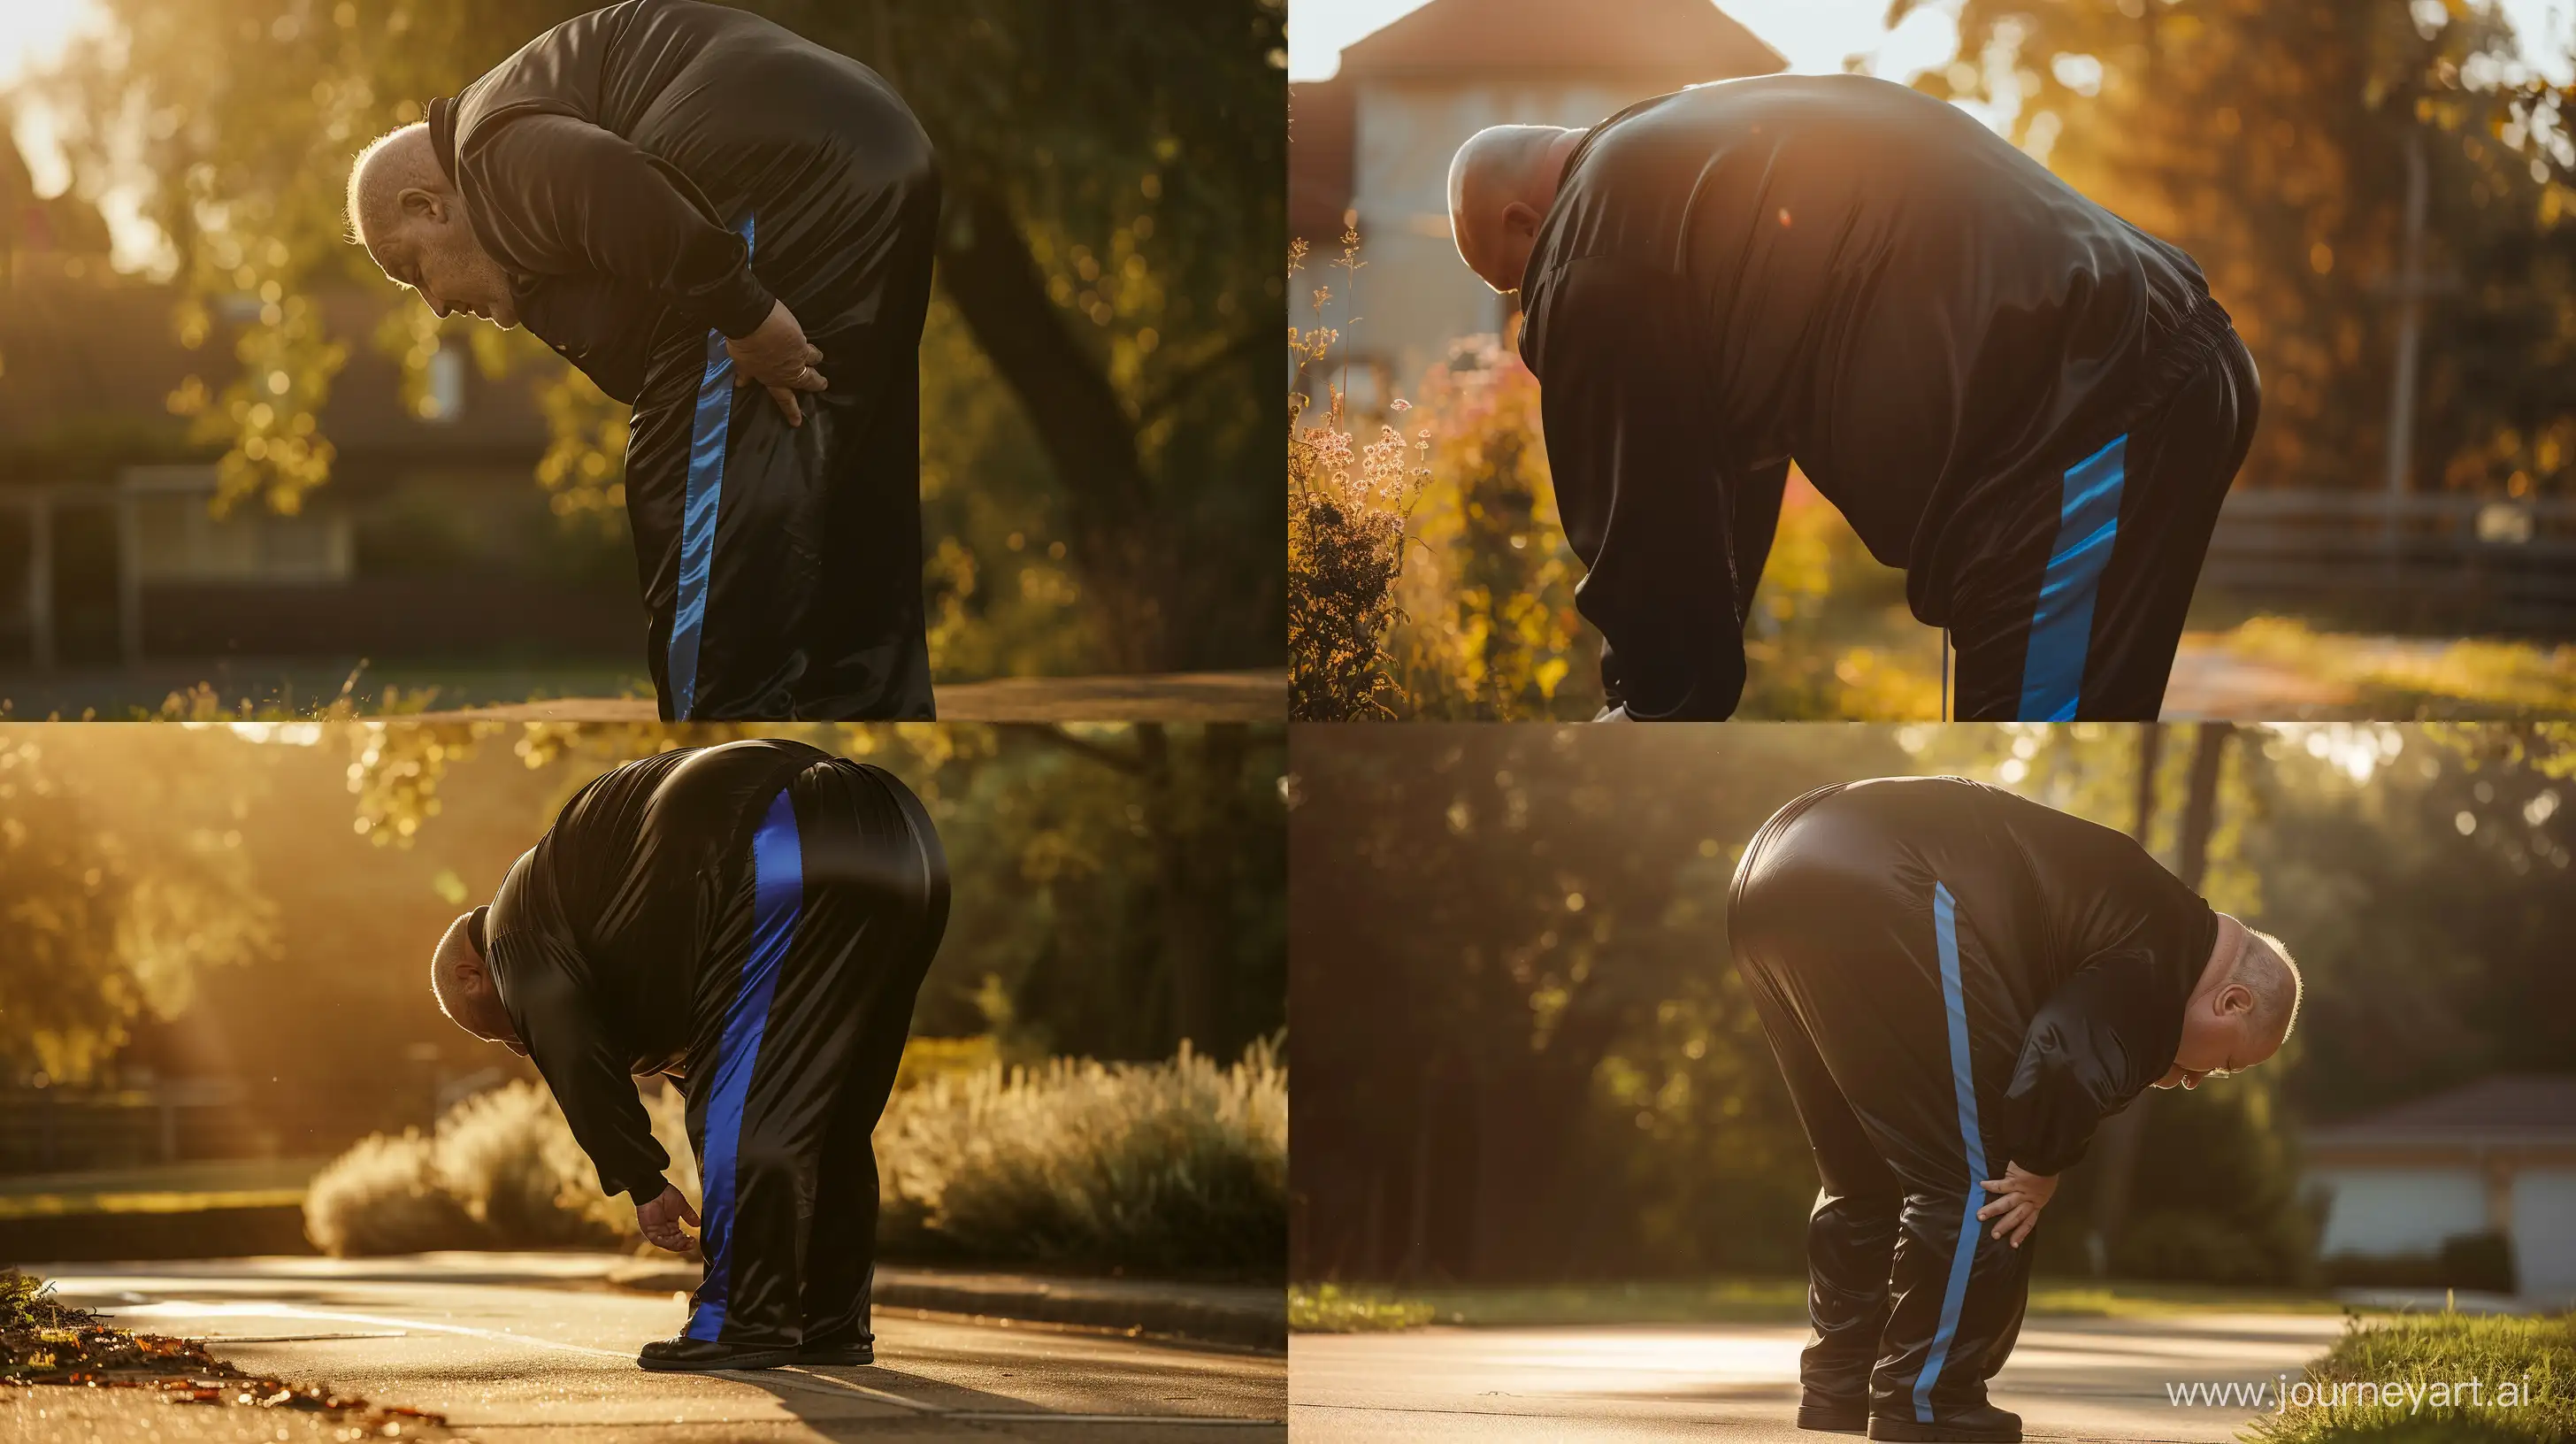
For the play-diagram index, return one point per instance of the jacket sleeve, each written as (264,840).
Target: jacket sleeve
(561,1030)
(561,194)
(1641,486)
(2090,1050)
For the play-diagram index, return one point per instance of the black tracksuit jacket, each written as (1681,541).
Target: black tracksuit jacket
(1851,274)
(654,175)
(1953,979)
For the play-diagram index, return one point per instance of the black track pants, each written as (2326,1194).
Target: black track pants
(2078,611)
(781,565)
(1897,1049)
(802,1015)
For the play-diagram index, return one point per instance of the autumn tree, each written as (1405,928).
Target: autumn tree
(2272,141)
(1115,214)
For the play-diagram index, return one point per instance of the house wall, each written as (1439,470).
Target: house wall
(2544,1232)
(1414,296)
(2380,1212)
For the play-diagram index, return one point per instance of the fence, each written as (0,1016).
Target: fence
(2411,563)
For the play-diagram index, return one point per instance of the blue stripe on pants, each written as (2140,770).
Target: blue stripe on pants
(2061,624)
(778,895)
(1954,1001)
(698,512)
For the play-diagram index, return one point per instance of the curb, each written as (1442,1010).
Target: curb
(1245,1316)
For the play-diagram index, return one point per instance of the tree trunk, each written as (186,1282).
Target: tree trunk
(1194,894)
(1085,427)
(2200,807)
(2115,1152)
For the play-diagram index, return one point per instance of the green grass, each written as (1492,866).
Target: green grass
(1338,1308)
(1332,1309)
(2469,677)
(167,1188)
(2535,1356)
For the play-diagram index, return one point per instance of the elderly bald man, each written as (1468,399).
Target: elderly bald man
(1959,985)
(731,228)
(2030,405)
(753,918)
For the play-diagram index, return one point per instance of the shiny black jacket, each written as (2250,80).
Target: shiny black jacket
(598,936)
(1836,270)
(615,163)
(2078,950)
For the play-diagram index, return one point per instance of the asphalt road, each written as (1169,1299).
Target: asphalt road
(2068,1379)
(504,1351)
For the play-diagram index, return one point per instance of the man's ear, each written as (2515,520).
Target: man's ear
(1520,218)
(422,204)
(2234,999)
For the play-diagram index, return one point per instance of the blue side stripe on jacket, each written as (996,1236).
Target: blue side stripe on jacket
(778,897)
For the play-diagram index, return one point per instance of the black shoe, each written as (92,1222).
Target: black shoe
(1985,1424)
(685,1355)
(836,1356)
(1831,1415)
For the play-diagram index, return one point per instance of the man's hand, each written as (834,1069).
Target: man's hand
(661,1220)
(779,358)
(2019,1196)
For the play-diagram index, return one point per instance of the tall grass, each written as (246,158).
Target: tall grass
(1177,1166)
(1348,504)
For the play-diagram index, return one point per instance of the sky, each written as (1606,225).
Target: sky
(1815,35)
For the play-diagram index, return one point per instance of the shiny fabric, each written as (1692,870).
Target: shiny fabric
(2077,610)
(614,164)
(778,899)
(1952,978)
(1851,274)
(756,919)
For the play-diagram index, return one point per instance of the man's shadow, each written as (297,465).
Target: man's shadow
(854,1402)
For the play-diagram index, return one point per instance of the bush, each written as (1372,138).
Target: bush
(2193,1248)
(501,1171)
(1348,503)
(2482,1261)
(1174,1166)
(1170,1166)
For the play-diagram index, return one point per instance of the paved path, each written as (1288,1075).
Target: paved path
(2212,683)
(2068,1379)
(1157,697)
(589,693)
(506,1352)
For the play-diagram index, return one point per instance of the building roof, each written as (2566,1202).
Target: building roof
(1645,46)
(2508,1109)
(1682,42)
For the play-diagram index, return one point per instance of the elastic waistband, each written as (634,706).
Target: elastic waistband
(2202,334)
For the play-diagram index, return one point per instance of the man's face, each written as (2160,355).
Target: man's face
(433,251)
(2218,1039)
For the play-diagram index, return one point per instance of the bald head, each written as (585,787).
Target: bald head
(2263,967)
(2242,1009)
(412,219)
(1501,183)
(462,982)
